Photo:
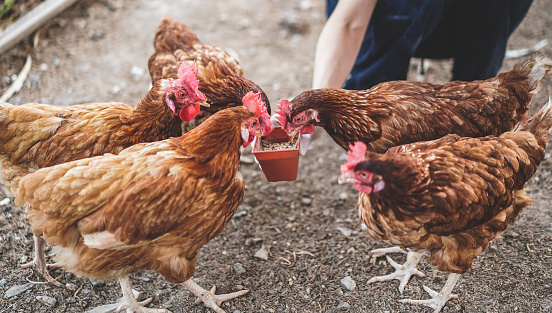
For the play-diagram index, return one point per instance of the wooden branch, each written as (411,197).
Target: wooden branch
(28,23)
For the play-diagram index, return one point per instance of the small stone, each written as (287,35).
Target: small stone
(115,89)
(56,62)
(137,72)
(71,286)
(345,231)
(16,290)
(343,196)
(3,282)
(47,300)
(238,269)
(348,283)
(306,201)
(343,306)
(262,253)
(240,213)
(146,279)
(5,201)
(96,34)
(237,311)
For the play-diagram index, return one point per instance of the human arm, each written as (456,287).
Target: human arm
(340,41)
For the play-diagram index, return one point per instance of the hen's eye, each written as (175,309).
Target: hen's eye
(254,123)
(182,95)
(363,175)
(298,119)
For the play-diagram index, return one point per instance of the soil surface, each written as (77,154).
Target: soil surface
(309,228)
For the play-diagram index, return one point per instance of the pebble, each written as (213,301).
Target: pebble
(343,306)
(343,196)
(5,201)
(47,300)
(345,231)
(3,282)
(137,72)
(348,283)
(262,253)
(240,213)
(16,290)
(306,201)
(238,268)
(71,286)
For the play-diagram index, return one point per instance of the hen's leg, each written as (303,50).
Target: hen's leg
(39,262)
(437,300)
(403,272)
(130,305)
(208,297)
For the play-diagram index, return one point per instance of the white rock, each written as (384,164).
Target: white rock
(5,201)
(348,283)
(262,253)
(47,300)
(16,290)
(345,231)
(238,269)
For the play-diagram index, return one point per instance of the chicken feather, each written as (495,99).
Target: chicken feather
(400,112)
(451,196)
(152,206)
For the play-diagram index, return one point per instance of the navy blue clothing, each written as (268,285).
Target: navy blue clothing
(472,32)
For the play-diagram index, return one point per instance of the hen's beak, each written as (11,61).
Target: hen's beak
(204,104)
(344,178)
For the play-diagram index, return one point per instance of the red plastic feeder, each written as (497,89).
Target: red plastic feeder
(277,165)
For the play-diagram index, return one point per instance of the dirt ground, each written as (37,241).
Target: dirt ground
(98,50)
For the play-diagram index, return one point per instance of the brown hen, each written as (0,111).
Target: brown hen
(400,112)
(221,77)
(448,197)
(150,207)
(34,135)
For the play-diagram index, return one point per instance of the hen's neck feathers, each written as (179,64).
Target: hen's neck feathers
(359,111)
(215,144)
(152,117)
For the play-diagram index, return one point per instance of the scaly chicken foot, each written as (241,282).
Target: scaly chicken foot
(208,297)
(438,299)
(403,272)
(38,264)
(130,305)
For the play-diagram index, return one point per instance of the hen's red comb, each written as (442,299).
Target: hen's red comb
(253,102)
(357,153)
(284,112)
(187,72)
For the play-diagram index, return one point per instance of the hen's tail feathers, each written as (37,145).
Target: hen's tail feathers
(532,71)
(540,124)
(541,69)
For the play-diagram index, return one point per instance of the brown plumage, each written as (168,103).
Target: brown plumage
(400,112)
(450,196)
(35,135)
(221,77)
(152,206)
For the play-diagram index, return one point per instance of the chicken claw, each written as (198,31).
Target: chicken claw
(403,271)
(130,305)
(438,299)
(39,262)
(208,297)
